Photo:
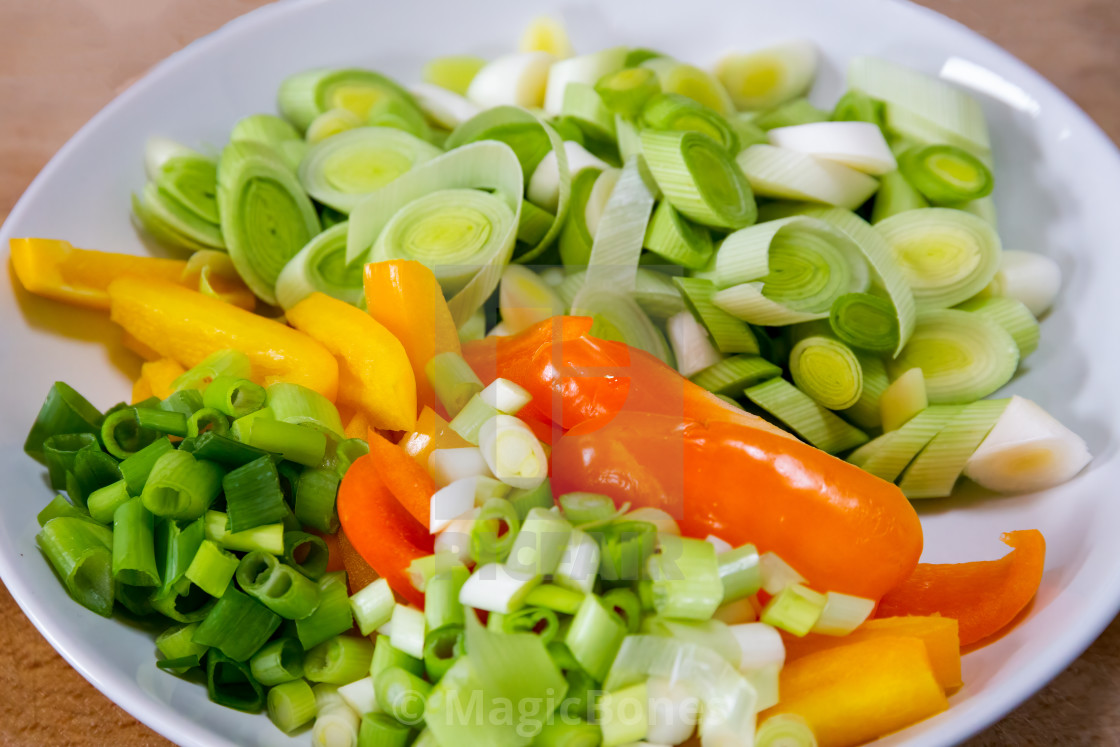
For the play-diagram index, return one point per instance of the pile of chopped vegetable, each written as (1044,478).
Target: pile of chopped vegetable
(503,459)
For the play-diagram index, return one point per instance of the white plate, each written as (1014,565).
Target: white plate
(1058,178)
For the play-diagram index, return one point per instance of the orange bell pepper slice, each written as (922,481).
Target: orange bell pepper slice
(939,634)
(432,432)
(409,483)
(359,575)
(406,297)
(380,528)
(983,596)
(55,269)
(854,693)
(374,373)
(188,326)
(842,528)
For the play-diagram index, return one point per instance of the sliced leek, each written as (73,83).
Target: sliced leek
(1033,279)
(524,299)
(1013,316)
(903,399)
(598,198)
(896,452)
(342,170)
(512,80)
(452,73)
(816,424)
(787,174)
(945,174)
(613,262)
(688,80)
(584,106)
(827,370)
(895,195)
(692,348)
(330,123)
(626,91)
(858,145)
(963,356)
(321,266)
(546,34)
(266,216)
(865,321)
(672,111)
(447,109)
(677,240)
(575,236)
(792,113)
(767,77)
(731,376)
(304,96)
(544,185)
(866,411)
(936,469)
(618,317)
(586,70)
(730,334)
(484,247)
(947,256)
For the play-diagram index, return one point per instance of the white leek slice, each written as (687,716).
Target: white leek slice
(306,95)
(1033,279)
(514,79)
(617,245)
(942,105)
(524,299)
(340,171)
(692,348)
(449,465)
(321,266)
(512,452)
(586,69)
(546,34)
(495,588)
(619,317)
(787,174)
(1027,450)
(764,78)
(544,185)
(480,166)
(858,145)
(579,564)
(597,201)
(446,108)
(947,255)
(452,72)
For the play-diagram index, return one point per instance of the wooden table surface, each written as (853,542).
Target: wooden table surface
(62,60)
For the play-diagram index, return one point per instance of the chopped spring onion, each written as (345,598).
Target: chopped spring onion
(827,370)
(61,451)
(361,696)
(320,266)
(1026,450)
(332,617)
(540,543)
(785,730)
(448,465)
(740,572)
(1033,279)
(382,730)
(279,587)
(857,145)
(900,447)
(291,705)
(676,240)
(180,486)
(517,79)
(336,724)
(227,362)
(524,501)
(934,472)
(175,643)
(505,396)
(63,411)
(495,588)
(686,579)
(454,381)
(385,655)
(692,348)
(730,335)
(469,420)
(81,554)
(339,661)
(842,614)
(237,626)
(896,195)
(441,599)
(268,538)
(266,216)
(795,609)
(623,715)
(307,553)
(673,112)
(121,434)
(790,175)
(945,174)
(947,255)
(212,568)
(494,530)
(585,508)
(278,661)
(1013,316)
(453,72)
(963,356)
(777,574)
(59,506)
(512,452)
(207,420)
(234,397)
(699,178)
(865,321)
(524,299)
(903,399)
(230,683)
(579,564)
(767,77)
(298,443)
(343,169)
(137,468)
(409,218)
(594,636)
(422,570)
(452,501)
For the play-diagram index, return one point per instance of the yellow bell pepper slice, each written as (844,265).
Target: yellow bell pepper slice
(141,390)
(156,378)
(431,432)
(854,693)
(188,326)
(374,373)
(55,269)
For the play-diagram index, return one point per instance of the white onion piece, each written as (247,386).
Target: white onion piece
(761,645)
(692,348)
(673,711)
(587,68)
(446,108)
(514,79)
(601,192)
(544,184)
(1030,278)
(858,145)
(1027,450)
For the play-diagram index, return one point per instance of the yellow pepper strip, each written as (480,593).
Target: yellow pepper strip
(854,693)
(160,374)
(141,390)
(213,274)
(431,432)
(374,374)
(142,350)
(358,425)
(188,326)
(939,634)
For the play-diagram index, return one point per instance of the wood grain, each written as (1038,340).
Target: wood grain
(62,60)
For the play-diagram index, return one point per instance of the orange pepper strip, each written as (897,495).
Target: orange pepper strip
(432,432)
(854,693)
(374,373)
(160,375)
(843,529)
(939,634)
(983,596)
(406,297)
(409,483)
(380,529)
(358,573)
(334,552)
(188,326)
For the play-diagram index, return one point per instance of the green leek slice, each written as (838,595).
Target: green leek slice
(453,72)
(813,422)
(936,469)
(673,112)
(896,452)
(767,77)
(266,216)
(585,107)
(613,262)
(321,266)
(731,376)
(895,195)
(1013,316)
(730,335)
(699,178)
(626,91)
(575,237)
(582,70)
(827,370)
(947,256)
(865,321)
(516,79)
(963,356)
(688,80)
(343,169)
(903,399)
(866,412)
(787,174)
(486,248)
(304,96)
(789,114)
(330,123)
(945,174)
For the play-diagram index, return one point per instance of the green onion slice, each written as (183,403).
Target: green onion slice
(321,267)
(81,554)
(266,216)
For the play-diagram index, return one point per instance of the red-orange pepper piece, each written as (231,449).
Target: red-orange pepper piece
(843,529)
(409,483)
(359,574)
(380,529)
(982,596)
